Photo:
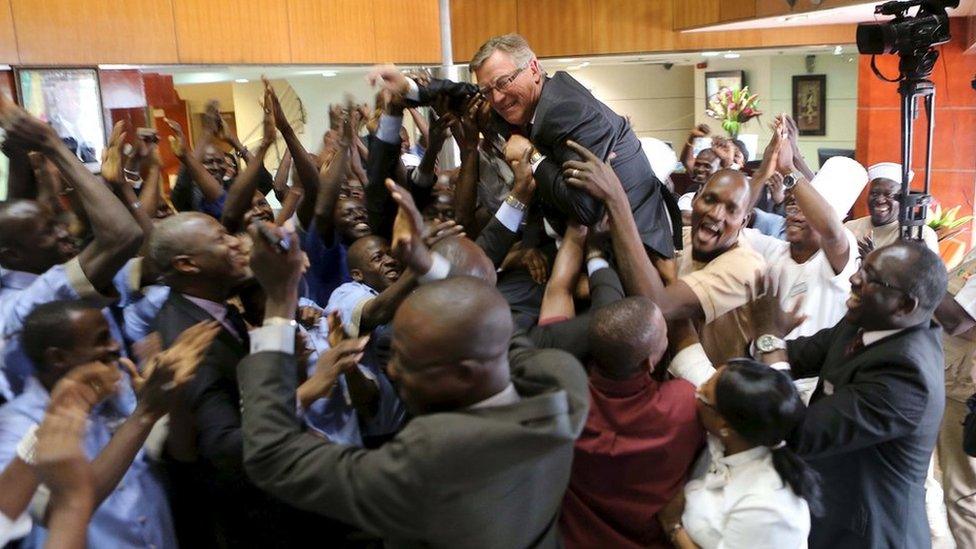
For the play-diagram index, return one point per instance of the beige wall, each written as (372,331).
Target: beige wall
(658,101)
(772,78)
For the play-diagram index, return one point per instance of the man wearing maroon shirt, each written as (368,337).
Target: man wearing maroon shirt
(640,438)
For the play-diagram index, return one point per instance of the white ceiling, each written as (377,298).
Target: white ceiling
(848,14)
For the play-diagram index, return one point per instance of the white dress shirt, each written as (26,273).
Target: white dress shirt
(742,503)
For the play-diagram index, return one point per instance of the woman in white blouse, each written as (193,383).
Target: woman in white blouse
(757,492)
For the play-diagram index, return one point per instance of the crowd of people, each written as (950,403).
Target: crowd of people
(546,346)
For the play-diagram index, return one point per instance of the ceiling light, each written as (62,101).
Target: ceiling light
(570,60)
(838,50)
(329,74)
(584,64)
(709,54)
(731,55)
(242,80)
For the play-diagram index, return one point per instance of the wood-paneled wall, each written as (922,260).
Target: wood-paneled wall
(562,28)
(86,32)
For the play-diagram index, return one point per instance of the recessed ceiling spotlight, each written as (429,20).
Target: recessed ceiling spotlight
(242,80)
(838,50)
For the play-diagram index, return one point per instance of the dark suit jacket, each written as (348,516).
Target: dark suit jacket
(567,110)
(383,163)
(214,496)
(870,431)
(490,477)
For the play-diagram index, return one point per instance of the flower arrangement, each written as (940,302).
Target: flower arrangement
(945,223)
(733,108)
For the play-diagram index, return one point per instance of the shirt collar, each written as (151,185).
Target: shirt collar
(506,396)
(876,335)
(215,309)
(751,454)
(16,280)
(621,387)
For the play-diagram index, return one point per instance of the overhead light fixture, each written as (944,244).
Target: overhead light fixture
(838,50)
(242,80)
(569,60)
(584,64)
(731,55)
(329,74)
(709,54)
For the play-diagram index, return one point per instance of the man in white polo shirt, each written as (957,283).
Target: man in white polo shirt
(815,262)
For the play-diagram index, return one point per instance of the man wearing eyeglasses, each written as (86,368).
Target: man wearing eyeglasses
(874,418)
(537,114)
(880,228)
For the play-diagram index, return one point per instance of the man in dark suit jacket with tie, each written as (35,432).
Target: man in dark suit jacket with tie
(486,458)
(538,112)
(873,420)
(213,502)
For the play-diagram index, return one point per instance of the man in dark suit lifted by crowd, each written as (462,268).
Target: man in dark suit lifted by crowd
(537,113)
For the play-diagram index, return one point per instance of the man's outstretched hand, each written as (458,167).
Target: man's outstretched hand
(279,273)
(592,175)
(408,244)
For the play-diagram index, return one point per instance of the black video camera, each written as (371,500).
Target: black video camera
(906,35)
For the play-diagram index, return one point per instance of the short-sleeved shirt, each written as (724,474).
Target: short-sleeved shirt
(886,235)
(349,299)
(722,287)
(960,351)
(328,266)
(824,292)
(21,293)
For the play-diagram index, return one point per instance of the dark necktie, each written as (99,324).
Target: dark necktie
(854,345)
(237,321)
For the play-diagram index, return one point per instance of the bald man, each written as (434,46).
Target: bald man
(484,462)
(202,263)
(641,435)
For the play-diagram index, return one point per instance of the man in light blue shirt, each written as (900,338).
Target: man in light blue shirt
(39,261)
(134,513)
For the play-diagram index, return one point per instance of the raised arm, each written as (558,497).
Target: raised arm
(635,268)
(466,191)
(818,212)
(280,184)
(211,188)
(115,171)
(330,183)
(305,168)
(241,193)
(116,236)
(688,151)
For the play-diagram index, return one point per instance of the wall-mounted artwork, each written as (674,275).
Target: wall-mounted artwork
(69,100)
(716,80)
(810,103)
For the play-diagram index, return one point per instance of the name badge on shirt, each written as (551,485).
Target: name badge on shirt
(828,388)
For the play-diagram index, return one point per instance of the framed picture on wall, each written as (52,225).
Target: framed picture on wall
(716,80)
(810,103)
(70,100)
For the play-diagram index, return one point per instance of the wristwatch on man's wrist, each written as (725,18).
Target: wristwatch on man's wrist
(790,181)
(768,343)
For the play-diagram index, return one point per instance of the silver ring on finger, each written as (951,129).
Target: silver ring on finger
(575,173)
